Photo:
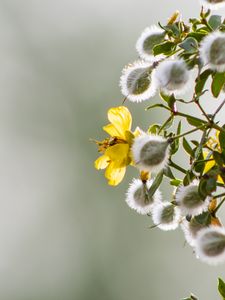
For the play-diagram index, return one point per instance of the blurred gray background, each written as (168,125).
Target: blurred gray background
(64,233)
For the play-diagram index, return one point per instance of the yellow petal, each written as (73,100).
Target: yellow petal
(118,153)
(114,174)
(208,164)
(111,130)
(220,179)
(102,162)
(121,119)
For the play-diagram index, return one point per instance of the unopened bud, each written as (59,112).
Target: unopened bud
(212,51)
(166,216)
(210,245)
(150,152)
(138,199)
(172,76)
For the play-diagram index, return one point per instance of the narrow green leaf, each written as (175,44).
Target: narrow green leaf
(194,121)
(175,145)
(222,138)
(168,173)
(217,83)
(188,178)
(187,147)
(154,128)
(221,288)
(156,184)
(156,106)
(202,188)
(201,80)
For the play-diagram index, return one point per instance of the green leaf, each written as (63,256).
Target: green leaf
(164,48)
(222,138)
(175,145)
(207,186)
(211,185)
(154,128)
(204,218)
(173,29)
(187,147)
(195,121)
(157,105)
(217,83)
(199,164)
(202,188)
(170,100)
(175,182)
(156,183)
(201,80)
(168,173)
(218,158)
(190,44)
(188,178)
(221,288)
(197,35)
(214,21)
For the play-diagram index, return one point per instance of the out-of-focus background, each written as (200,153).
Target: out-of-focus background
(64,233)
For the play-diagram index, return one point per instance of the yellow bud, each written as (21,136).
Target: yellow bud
(173,18)
(144,175)
(212,205)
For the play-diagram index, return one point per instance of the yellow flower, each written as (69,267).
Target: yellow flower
(214,144)
(116,149)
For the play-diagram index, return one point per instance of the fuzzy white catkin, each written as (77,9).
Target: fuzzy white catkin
(190,230)
(137,83)
(150,152)
(210,245)
(166,216)
(135,197)
(212,51)
(189,200)
(172,76)
(150,37)
(212,4)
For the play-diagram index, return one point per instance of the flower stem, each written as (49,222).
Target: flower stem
(188,132)
(218,196)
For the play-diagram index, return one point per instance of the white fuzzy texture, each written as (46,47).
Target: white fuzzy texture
(148,93)
(204,239)
(167,82)
(205,49)
(182,192)
(149,31)
(139,143)
(190,231)
(157,214)
(189,237)
(134,204)
(212,6)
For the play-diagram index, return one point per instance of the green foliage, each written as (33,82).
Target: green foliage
(221,288)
